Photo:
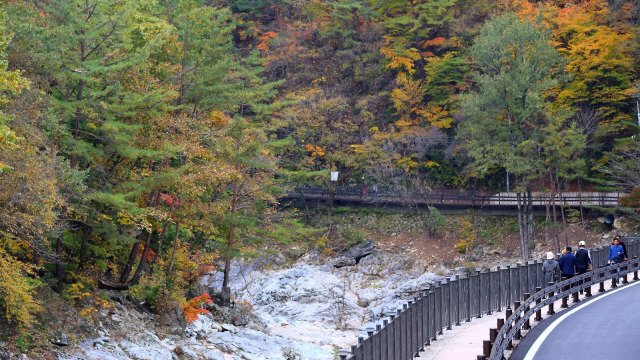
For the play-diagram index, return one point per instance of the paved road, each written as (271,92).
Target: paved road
(588,331)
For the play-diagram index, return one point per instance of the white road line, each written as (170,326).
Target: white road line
(536,345)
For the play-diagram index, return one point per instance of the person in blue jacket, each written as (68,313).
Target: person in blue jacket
(568,264)
(616,255)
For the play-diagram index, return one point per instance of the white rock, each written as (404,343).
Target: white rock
(144,352)
(212,355)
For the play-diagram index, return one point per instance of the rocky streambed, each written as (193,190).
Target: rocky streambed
(306,310)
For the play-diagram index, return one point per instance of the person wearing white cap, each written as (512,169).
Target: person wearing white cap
(583,261)
(550,269)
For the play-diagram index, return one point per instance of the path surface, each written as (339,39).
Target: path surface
(588,331)
(465,341)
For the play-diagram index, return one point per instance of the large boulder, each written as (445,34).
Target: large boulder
(353,255)
(59,338)
(174,319)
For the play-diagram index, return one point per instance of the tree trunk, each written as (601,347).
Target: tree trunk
(227,260)
(145,252)
(83,251)
(547,218)
(164,230)
(564,221)
(147,246)
(584,231)
(132,258)
(521,225)
(175,249)
(553,207)
(59,268)
(76,125)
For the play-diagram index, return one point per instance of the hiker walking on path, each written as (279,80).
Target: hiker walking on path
(550,269)
(583,261)
(624,247)
(568,264)
(364,190)
(616,255)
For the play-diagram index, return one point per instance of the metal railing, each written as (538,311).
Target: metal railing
(404,332)
(453,198)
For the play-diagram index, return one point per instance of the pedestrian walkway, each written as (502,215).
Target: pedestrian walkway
(465,341)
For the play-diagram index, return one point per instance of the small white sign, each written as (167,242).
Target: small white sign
(334,176)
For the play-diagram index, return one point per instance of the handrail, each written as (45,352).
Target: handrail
(453,198)
(405,331)
(524,312)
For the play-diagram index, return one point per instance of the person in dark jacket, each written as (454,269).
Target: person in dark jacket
(568,264)
(583,261)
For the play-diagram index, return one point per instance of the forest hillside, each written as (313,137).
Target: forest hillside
(145,143)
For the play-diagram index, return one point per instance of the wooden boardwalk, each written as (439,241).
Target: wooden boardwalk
(453,199)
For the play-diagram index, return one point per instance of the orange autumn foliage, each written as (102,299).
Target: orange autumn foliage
(264,40)
(192,308)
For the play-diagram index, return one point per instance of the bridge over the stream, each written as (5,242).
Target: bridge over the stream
(451,201)
(514,302)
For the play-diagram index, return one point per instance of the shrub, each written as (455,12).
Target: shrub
(17,290)
(352,236)
(467,235)
(192,308)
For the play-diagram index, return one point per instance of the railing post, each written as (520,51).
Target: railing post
(526,325)
(459,299)
(499,293)
(404,344)
(409,328)
(449,302)
(536,270)
(427,317)
(635,266)
(468,297)
(551,311)
(391,336)
(508,312)
(519,274)
(414,326)
(538,301)
(343,354)
(369,348)
(516,306)
(432,314)
(399,334)
(377,350)
(486,348)
(384,347)
(479,293)
(489,292)
(420,322)
(601,288)
(440,309)
(565,298)
(509,286)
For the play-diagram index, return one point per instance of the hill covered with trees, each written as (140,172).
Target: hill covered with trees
(143,141)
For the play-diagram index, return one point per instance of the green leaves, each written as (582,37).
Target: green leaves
(517,66)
